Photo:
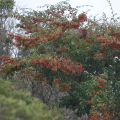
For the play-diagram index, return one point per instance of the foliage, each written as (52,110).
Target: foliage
(80,60)
(18,104)
(6,7)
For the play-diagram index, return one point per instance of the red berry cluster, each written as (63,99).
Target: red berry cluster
(82,17)
(65,65)
(6,60)
(44,35)
(102,83)
(105,42)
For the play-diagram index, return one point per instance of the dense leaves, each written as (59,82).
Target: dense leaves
(81,61)
(21,105)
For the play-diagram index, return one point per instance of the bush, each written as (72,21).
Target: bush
(19,105)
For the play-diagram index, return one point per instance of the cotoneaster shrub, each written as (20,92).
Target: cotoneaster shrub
(80,60)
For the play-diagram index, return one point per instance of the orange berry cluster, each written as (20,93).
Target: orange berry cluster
(65,65)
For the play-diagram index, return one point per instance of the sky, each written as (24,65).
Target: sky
(99,6)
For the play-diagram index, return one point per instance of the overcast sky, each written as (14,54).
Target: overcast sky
(99,6)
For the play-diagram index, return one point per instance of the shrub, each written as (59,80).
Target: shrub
(20,105)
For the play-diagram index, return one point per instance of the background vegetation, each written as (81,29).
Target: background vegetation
(65,59)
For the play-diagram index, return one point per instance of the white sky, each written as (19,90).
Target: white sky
(99,6)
